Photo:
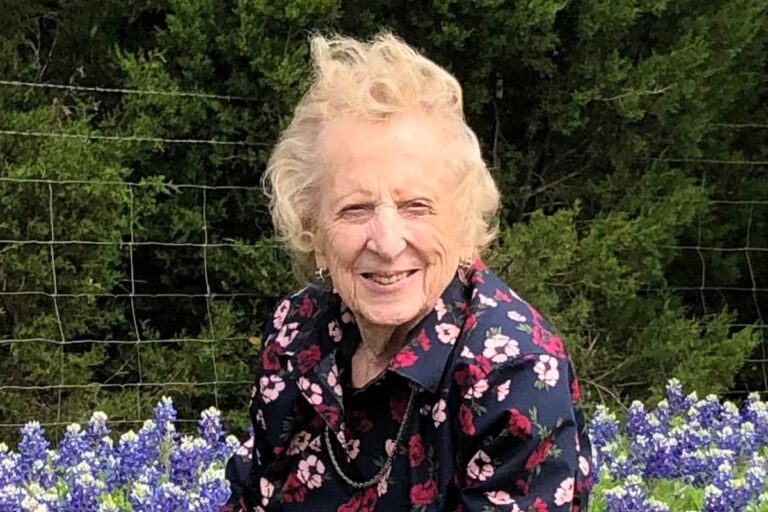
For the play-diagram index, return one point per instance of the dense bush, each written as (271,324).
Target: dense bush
(608,125)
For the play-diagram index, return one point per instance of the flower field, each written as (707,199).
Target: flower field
(686,454)
(154,470)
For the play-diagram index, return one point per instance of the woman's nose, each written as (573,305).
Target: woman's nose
(387,233)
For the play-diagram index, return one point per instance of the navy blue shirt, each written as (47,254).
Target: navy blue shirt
(494,421)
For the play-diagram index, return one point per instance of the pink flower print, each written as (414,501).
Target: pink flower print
(477,390)
(389,446)
(564,493)
(334,331)
(440,309)
(246,449)
(270,387)
(487,301)
(502,391)
(333,381)
(499,348)
(312,392)
(479,468)
(287,334)
(316,445)
(546,369)
(347,317)
(278,319)
(311,472)
(447,333)
(381,489)
(584,465)
(260,419)
(516,317)
(438,413)
(353,448)
(501,498)
(267,490)
(299,443)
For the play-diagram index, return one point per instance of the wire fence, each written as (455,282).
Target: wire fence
(139,341)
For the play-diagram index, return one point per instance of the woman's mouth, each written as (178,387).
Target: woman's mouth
(387,278)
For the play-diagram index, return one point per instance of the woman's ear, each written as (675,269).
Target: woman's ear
(321,261)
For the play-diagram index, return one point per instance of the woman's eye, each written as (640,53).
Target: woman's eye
(418,208)
(354,210)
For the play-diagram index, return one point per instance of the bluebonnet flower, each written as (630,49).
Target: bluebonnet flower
(637,421)
(664,459)
(661,416)
(214,490)
(165,416)
(169,497)
(72,446)
(187,459)
(97,428)
(33,448)
(9,467)
(678,402)
(131,458)
(715,500)
(34,497)
(140,497)
(604,427)
(84,489)
(632,497)
(710,411)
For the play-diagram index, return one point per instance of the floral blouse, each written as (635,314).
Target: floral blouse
(494,422)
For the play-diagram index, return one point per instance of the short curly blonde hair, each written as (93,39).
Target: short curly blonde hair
(371,81)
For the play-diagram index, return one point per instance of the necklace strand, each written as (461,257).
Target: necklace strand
(390,457)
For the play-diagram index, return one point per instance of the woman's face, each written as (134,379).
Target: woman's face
(388,229)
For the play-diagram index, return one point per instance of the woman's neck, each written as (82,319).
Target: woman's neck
(381,342)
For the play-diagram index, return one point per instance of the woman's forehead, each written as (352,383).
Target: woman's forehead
(413,134)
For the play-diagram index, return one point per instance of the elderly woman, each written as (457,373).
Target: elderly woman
(406,376)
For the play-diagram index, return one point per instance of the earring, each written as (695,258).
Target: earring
(321,273)
(465,263)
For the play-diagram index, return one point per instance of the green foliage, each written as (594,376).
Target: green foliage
(594,115)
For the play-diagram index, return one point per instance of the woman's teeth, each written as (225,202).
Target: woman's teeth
(390,279)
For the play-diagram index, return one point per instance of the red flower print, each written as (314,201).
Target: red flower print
(424,342)
(470,323)
(424,494)
(269,360)
(539,455)
(331,413)
(360,422)
(469,375)
(404,358)
(368,500)
(353,505)
(309,358)
(485,364)
(416,451)
(307,308)
(466,419)
(397,405)
(293,490)
(551,343)
(575,390)
(519,424)
(540,506)
(500,295)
